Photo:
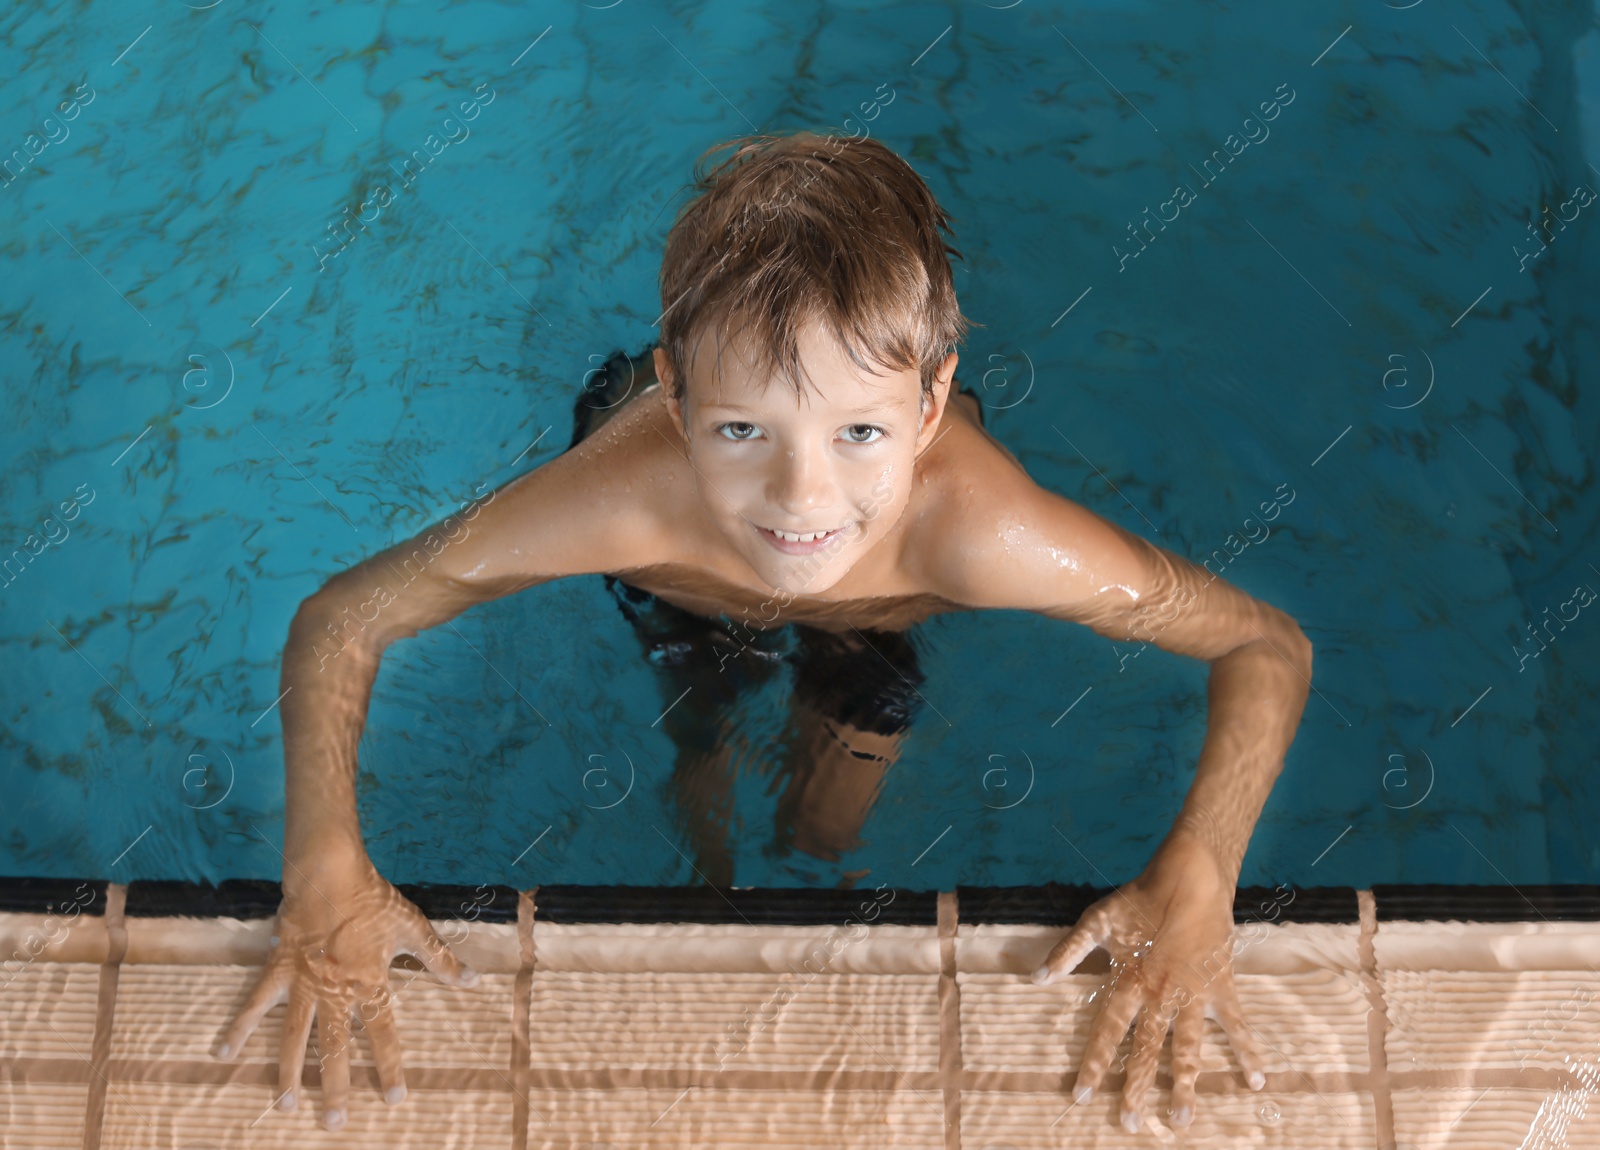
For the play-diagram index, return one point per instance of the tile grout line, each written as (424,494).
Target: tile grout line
(1377,1022)
(521,1019)
(950,1064)
(94,1115)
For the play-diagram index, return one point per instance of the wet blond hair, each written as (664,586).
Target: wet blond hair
(800,228)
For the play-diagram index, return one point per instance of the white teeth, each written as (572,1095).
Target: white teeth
(792,537)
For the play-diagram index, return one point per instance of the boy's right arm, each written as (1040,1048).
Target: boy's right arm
(340,923)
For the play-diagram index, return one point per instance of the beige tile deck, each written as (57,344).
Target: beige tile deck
(1301,1121)
(1442,1020)
(173,1115)
(47,1010)
(42,1114)
(1464,1036)
(781,1021)
(758,1119)
(1490,1116)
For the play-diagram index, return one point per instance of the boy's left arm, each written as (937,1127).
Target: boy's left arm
(1170,930)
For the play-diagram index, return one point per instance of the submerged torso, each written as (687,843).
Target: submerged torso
(887,588)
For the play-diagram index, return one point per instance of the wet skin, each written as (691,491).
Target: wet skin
(934,515)
(831,770)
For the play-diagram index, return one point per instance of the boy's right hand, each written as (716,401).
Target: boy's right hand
(333,941)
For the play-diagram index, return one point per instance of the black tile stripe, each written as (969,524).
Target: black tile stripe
(1057,905)
(1052,904)
(1488,903)
(775,906)
(235,898)
(52,895)
(1286,903)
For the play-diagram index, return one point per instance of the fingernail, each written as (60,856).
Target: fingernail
(1082,1094)
(224,1050)
(289,1101)
(1257,1080)
(333,1119)
(1130,1121)
(469,977)
(394,1095)
(1041,976)
(1182,1116)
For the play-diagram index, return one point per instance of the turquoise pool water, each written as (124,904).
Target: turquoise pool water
(218,394)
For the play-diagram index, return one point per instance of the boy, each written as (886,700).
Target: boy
(793,457)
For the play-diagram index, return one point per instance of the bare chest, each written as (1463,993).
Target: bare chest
(878,593)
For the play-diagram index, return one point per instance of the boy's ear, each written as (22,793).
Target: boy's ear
(664,374)
(933,407)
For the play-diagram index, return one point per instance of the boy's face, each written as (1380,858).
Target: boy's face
(837,460)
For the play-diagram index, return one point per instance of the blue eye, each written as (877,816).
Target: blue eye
(855,427)
(723,427)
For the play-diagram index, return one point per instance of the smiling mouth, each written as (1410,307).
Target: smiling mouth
(798,542)
(802,537)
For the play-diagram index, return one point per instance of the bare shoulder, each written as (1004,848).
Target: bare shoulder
(990,536)
(598,507)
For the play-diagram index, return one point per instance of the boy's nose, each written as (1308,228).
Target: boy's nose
(801,484)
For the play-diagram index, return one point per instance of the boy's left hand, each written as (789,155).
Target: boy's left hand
(1170,936)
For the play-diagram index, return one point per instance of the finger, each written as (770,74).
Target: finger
(270,989)
(1105,1035)
(1226,1010)
(385,1038)
(428,948)
(292,1046)
(1186,1033)
(333,1057)
(1148,1036)
(1093,929)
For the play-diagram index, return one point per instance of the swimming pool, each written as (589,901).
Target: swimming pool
(222,389)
